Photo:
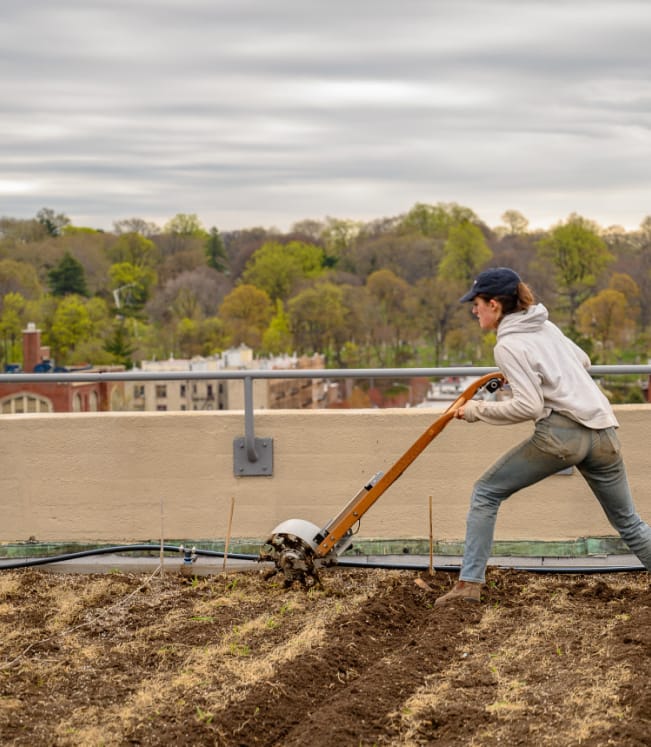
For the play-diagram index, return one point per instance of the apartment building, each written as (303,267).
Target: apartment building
(228,394)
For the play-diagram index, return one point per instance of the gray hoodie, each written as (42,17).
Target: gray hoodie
(546,371)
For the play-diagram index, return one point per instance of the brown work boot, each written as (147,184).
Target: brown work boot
(468,591)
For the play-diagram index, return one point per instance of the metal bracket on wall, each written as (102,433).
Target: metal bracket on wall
(251,456)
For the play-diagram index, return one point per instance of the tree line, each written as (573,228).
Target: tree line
(379,293)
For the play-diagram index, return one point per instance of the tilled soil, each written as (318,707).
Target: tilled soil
(234,659)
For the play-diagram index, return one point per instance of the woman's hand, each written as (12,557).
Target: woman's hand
(458,413)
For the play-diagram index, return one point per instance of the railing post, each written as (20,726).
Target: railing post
(251,456)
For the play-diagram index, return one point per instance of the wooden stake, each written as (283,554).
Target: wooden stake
(162,540)
(431,540)
(228,531)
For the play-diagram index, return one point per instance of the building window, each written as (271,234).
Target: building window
(76,403)
(139,391)
(161,391)
(183,388)
(24,402)
(161,408)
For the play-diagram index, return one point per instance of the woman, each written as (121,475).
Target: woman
(574,423)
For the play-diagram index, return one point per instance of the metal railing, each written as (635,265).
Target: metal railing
(254,456)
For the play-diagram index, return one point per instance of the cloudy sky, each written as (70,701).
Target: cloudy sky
(267,112)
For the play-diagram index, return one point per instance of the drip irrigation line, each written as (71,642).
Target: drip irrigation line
(29,562)
(347,562)
(425,566)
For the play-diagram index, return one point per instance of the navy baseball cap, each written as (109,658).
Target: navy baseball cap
(498,281)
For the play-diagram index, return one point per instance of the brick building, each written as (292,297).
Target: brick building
(39,397)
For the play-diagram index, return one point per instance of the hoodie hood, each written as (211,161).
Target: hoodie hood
(546,372)
(530,320)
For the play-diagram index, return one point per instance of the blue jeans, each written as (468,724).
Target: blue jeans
(557,443)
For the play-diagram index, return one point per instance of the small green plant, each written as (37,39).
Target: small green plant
(204,716)
(239,649)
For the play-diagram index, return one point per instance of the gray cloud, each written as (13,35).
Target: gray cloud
(256,113)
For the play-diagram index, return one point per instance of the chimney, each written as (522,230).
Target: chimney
(31,347)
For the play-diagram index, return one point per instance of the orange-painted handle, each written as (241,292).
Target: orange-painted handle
(352,513)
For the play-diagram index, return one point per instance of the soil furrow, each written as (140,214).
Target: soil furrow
(235,660)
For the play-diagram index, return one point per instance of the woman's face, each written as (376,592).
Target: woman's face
(488,313)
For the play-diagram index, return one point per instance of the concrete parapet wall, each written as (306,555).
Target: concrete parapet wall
(103,477)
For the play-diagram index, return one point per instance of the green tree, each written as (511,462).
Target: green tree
(277,338)
(71,325)
(120,345)
(79,230)
(436,221)
(318,319)
(212,335)
(68,277)
(131,285)
(278,268)
(246,312)
(338,237)
(11,325)
(188,337)
(20,277)
(464,254)
(578,255)
(216,251)
(136,249)
(186,225)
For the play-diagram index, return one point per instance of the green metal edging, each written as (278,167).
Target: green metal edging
(577,548)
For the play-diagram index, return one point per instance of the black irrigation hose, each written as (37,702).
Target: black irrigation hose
(352,563)
(29,562)
(343,561)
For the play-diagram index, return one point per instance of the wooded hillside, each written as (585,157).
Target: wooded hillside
(383,293)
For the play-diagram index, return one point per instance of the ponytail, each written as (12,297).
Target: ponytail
(521,301)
